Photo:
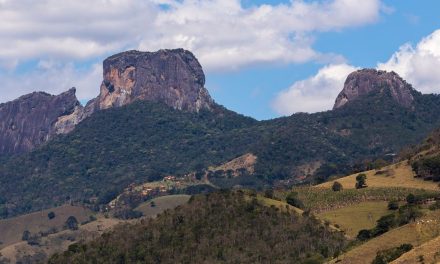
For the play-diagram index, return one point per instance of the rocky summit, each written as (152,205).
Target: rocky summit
(173,77)
(34,118)
(365,81)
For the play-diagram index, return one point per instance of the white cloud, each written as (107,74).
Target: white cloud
(225,35)
(419,65)
(53,78)
(314,94)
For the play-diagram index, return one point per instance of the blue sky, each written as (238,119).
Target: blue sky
(261,58)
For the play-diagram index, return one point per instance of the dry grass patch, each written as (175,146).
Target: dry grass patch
(396,175)
(355,217)
(160,204)
(416,233)
(430,251)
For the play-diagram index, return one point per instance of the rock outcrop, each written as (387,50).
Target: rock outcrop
(362,82)
(173,77)
(34,118)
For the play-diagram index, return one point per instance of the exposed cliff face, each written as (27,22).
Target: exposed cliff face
(34,118)
(173,77)
(364,81)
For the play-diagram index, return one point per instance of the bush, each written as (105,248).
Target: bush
(393,205)
(361,181)
(388,255)
(26,235)
(364,235)
(71,223)
(51,215)
(292,199)
(411,199)
(268,193)
(336,187)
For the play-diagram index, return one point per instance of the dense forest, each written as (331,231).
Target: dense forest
(145,141)
(201,232)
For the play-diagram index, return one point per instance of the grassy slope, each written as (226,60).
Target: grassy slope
(11,230)
(402,176)
(355,217)
(429,250)
(162,203)
(415,233)
(57,242)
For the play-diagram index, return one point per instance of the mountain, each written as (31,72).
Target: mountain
(222,227)
(172,77)
(365,81)
(33,119)
(142,139)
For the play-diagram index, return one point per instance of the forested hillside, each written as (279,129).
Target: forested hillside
(145,141)
(222,227)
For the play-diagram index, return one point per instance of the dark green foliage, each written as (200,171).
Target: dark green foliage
(364,235)
(388,255)
(404,215)
(336,187)
(435,206)
(71,223)
(144,141)
(361,181)
(427,168)
(293,200)
(393,205)
(51,215)
(201,232)
(26,235)
(411,199)
(268,193)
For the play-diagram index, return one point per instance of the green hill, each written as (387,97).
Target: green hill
(226,227)
(146,141)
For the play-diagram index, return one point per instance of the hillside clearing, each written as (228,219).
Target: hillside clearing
(161,204)
(355,217)
(11,230)
(396,175)
(416,233)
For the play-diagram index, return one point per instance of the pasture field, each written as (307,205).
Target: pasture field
(161,204)
(395,175)
(416,233)
(11,229)
(355,217)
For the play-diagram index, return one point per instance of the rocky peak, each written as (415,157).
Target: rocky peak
(362,82)
(173,77)
(34,118)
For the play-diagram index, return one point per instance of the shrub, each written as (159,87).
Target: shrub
(336,187)
(51,215)
(293,200)
(393,205)
(411,199)
(71,223)
(361,181)
(364,235)
(388,255)
(26,235)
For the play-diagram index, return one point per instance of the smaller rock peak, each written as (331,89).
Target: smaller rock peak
(365,81)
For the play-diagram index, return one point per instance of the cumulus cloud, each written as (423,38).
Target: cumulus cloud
(53,78)
(419,65)
(223,34)
(314,94)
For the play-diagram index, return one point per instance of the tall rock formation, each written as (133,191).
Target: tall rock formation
(173,77)
(34,118)
(362,82)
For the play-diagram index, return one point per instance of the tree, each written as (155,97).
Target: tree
(361,181)
(393,205)
(26,235)
(268,193)
(364,234)
(152,204)
(411,199)
(336,187)
(51,215)
(72,223)
(293,200)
